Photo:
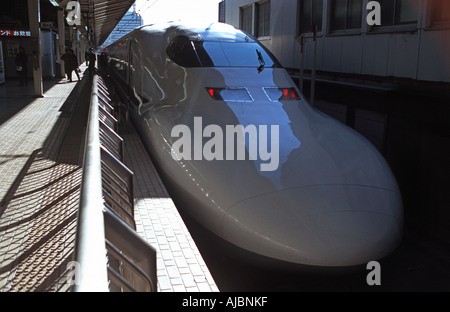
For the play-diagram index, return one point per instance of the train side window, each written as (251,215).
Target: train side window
(202,54)
(182,52)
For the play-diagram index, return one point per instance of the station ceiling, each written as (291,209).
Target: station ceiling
(99,17)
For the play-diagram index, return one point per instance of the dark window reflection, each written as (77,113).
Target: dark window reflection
(198,53)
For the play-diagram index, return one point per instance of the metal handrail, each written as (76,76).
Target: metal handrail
(102,231)
(90,241)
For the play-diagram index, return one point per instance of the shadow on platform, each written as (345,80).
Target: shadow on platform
(42,202)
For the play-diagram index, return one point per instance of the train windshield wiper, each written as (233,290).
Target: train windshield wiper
(262,63)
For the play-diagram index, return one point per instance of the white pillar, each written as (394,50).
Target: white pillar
(34,20)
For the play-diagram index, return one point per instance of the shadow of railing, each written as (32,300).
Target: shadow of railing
(13,98)
(38,212)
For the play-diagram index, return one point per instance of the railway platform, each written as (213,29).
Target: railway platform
(41,156)
(180,266)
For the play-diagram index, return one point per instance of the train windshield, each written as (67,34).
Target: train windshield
(199,53)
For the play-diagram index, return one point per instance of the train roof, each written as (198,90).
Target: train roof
(198,30)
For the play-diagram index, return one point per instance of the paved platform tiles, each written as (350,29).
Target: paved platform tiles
(180,266)
(40,178)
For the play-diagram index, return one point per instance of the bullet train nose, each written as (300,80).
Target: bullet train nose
(325,225)
(335,239)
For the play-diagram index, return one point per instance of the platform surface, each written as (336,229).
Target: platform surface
(41,156)
(40,177)
(180,265)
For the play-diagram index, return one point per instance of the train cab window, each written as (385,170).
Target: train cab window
(181,51)
(199,53)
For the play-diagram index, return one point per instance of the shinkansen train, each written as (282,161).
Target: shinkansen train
(230,132)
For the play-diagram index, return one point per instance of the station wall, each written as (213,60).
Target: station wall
(418,50)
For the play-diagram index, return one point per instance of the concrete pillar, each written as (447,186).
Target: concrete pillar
(34,20)
(62,39)
(254,20)
(71,37)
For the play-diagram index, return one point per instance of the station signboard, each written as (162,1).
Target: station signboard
(47,25)
(14,33)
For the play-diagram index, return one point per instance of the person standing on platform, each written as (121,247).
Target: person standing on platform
(70,64)
(86,57)
(21,68)
(92,59)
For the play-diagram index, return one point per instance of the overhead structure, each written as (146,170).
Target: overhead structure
(98,17)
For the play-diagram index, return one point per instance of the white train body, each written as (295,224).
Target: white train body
(331,200)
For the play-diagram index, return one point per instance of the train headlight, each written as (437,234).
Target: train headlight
(230,94)
(281,94)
